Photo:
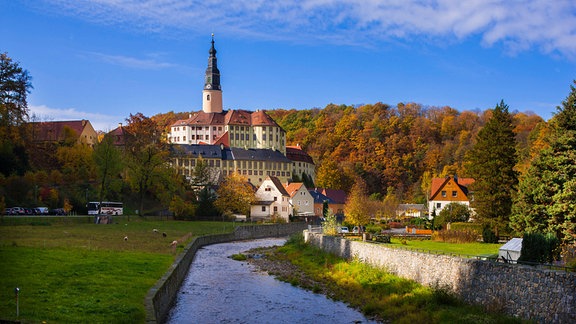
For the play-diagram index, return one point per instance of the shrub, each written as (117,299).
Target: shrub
(452,236)
(476,227)
(488,235)
(540,248)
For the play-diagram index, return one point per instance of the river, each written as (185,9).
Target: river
(221,290)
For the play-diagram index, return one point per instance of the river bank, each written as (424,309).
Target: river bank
(379,295)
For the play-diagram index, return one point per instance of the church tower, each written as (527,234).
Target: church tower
(212,93)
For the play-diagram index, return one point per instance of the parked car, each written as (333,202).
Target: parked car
(356,229)
(7,211)
(343,229)
(18,211)
(41,210)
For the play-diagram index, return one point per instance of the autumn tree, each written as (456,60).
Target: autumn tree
(15,84)
(491,163)
(547,191)
(109,165)
(357,208)
(235,195)
(147,157)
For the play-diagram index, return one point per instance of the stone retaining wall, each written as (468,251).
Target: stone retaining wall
(526,292)
(160,298)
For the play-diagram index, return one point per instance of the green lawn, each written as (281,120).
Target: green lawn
(462,249)
(87,273)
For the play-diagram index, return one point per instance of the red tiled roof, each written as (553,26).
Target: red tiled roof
(438,183)
(295,153)
(339,196)
(230,117)
(293,187)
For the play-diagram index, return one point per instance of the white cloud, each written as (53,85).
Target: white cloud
(150,63)
(99,121)
(549,26)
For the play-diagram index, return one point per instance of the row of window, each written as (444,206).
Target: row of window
(454,193)
(236,164)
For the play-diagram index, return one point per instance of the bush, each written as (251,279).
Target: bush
(488,235)
(467,226)
(452,236)
(539,248)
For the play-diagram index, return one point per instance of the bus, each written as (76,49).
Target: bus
(106,208)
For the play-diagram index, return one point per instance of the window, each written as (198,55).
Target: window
(263,208)
(275,198)
(443,193)
(275,209)
(454,193)
(438,205)
(208,97)
(184,138)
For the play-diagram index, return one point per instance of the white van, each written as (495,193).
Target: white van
(41,210)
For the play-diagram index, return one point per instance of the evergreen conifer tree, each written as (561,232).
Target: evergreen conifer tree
(491,163)
(547,191)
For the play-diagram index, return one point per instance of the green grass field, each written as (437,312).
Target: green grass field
(462,249)
(88,273)
(72,271)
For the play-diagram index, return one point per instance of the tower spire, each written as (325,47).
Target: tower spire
(212,93)
(212,79)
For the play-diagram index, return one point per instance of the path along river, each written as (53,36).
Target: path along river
(221,290)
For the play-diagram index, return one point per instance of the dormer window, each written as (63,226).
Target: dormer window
(443,193)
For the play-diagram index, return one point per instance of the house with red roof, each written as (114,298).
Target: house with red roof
(272,201)
(448,190)
(301,201)
(80,131)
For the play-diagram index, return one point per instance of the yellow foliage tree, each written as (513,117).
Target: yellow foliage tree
(235,195)
(357,208)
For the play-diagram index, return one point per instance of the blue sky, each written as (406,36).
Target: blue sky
(105,59)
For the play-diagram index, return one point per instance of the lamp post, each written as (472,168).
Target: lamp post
(16,291)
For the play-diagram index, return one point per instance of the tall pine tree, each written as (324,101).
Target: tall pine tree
(546,200)
(491,163)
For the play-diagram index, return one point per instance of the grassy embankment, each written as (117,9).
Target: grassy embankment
(377,293)
(87,273)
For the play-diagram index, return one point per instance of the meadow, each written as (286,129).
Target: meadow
(69,271)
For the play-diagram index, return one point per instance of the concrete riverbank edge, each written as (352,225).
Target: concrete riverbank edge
(161,297)
(527,292)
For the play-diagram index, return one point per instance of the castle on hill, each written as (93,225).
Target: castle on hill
(248,142)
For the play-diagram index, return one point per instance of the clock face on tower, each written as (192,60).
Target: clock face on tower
(208,86)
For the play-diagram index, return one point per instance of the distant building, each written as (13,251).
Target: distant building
(254,164)
(339,197)
(249,142)
(411,210)
(80,131)
(301,201)
(302,163)
(120,136)
(319,200)
(272,200)
(448,190)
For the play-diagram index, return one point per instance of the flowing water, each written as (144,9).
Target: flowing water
(221,290)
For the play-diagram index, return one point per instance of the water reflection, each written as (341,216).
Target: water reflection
(221,290)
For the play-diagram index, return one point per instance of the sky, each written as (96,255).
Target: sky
(103,60)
